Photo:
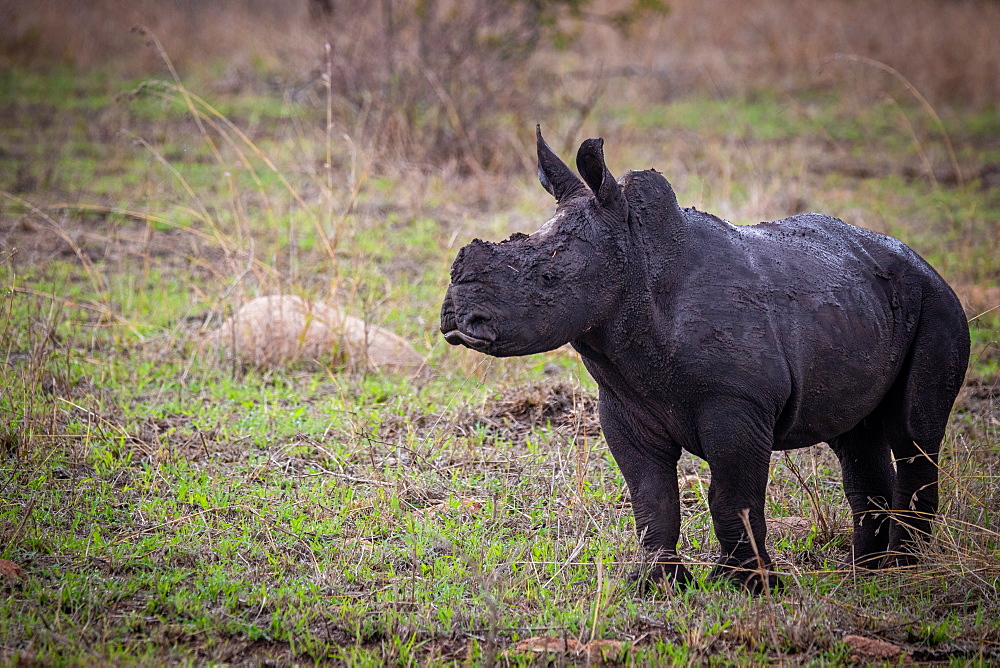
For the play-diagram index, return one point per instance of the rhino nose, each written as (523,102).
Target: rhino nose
(475,323)
(472,330)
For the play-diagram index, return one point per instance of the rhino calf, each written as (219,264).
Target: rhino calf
(729,342)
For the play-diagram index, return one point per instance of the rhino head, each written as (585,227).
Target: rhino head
(533,293)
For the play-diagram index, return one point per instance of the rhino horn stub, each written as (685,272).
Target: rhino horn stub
(554,175)
(472,260)
(591,165)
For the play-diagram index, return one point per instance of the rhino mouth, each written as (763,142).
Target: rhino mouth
(457,337)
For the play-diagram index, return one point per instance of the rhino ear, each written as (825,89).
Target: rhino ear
(590,162)
(553,173)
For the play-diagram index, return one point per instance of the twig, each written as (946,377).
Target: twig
(864,60)
(25,515)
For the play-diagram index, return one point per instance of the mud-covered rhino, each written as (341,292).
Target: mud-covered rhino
(729,342)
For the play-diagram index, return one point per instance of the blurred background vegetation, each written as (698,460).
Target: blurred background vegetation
(434,82)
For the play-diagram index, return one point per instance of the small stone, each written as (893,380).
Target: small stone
(10,571)
(871,648)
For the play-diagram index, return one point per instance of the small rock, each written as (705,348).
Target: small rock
(469,507)
(596,650)
(10,571)
(867,649)
(271,331)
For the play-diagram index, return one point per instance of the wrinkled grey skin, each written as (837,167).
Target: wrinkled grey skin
(729,342)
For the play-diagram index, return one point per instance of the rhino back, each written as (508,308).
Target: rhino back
(809,318)
(845,304)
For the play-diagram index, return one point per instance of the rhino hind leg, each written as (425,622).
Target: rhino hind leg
(931,379)
(868,477)
(914,500)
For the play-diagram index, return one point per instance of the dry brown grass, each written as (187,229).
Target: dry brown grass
(948,50)
(97,33)
(443,91)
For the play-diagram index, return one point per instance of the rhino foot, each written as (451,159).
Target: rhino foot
(647,580)
(754,580)
(872,561)
(899,560)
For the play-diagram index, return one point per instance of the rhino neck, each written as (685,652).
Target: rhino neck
(659,254)
(659,240)
(658,229)
(632,351)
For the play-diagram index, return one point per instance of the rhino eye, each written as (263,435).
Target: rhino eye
(548,279)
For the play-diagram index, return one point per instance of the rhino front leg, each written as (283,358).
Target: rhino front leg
(649,466)
(737,446)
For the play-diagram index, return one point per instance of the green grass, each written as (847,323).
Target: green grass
(168,507)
